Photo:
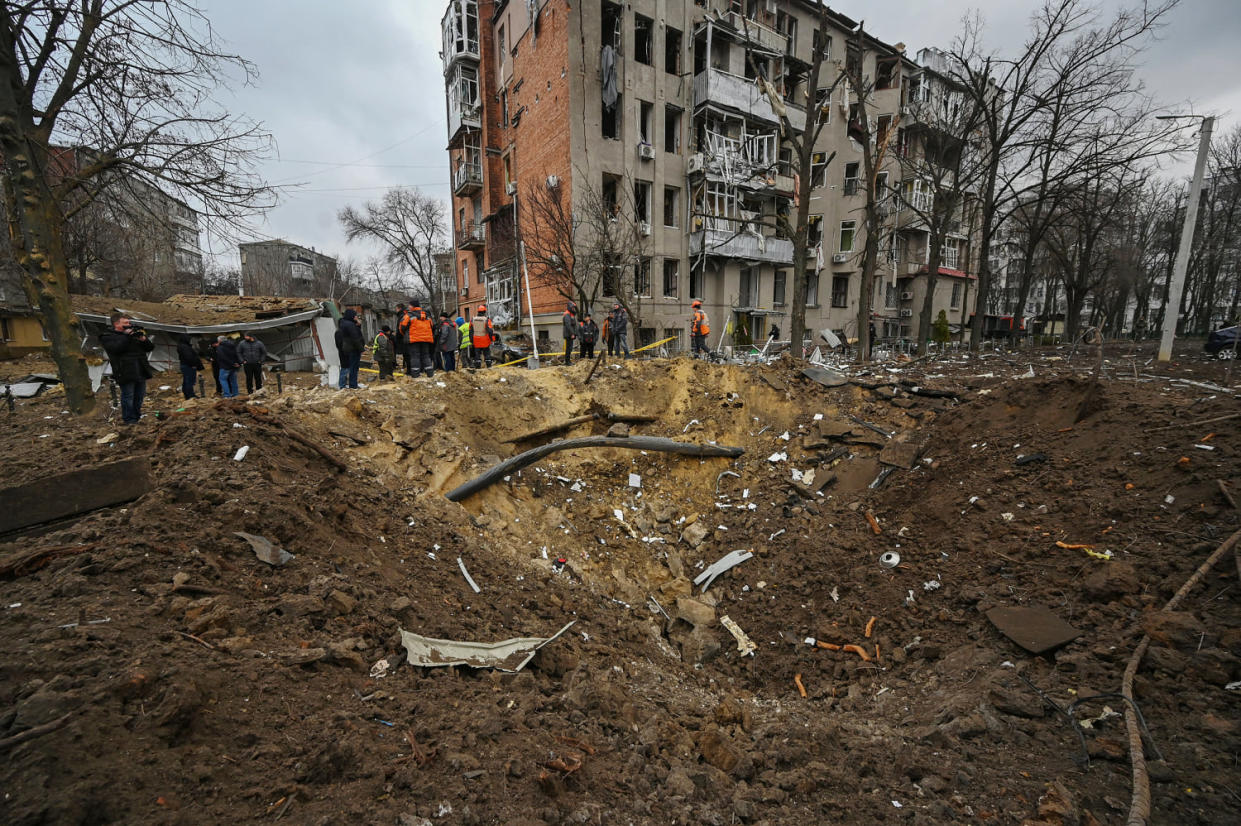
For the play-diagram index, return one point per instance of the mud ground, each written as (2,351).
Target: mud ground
(189,682)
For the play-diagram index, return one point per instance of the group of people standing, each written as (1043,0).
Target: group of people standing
(423,343)
(128,346)
(586,332)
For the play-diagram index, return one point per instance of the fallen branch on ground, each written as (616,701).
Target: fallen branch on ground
(1140,802)
(529,457)
(31,559)
(37,731)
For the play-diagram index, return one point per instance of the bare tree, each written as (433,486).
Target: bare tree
(589,250)
(1070,54)
(814,95)
(411,227)
(133,82)
(937,168)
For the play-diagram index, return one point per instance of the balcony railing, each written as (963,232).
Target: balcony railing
(473,234)
(730,243)
(742,95)
(467,178)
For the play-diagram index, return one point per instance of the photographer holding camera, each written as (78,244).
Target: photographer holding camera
(127,347)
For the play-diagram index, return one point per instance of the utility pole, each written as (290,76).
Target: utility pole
(1177,287)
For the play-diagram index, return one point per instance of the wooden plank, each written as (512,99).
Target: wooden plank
(74,493)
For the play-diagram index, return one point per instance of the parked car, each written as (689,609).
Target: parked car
(1222,343)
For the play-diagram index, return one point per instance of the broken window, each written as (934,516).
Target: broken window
(818,169)
(612,280)
(883,125)
(748,287)
(609,196)
(700,54)
(719,54)
(887,73)
(642,277)
(610,16)
(812,289)
(695,282)
(814,229)
(643,33)
(500,47)
(881,187)
(672,277)
(672,51)
(671,194)
(822,41)
(646,112)
(851,178)
(642,201)
(853,60)
(672,129)
(786,24)
(840,291)
(777,287)
(755,66)
(610,120)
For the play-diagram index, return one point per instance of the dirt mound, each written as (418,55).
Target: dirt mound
(160,672)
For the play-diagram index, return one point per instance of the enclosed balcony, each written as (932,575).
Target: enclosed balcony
(464,111)
(467,179)
(460,31)
(713,86)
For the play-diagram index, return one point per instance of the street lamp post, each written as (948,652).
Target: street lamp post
(1177,287)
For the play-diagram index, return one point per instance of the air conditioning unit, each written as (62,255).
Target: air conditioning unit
(511,187)
(907,313)
(646,152)
(695,164)
(644,228)
(907,296)
(840,258)
(465,291)
(553,181)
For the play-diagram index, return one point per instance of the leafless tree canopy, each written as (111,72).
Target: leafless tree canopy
(131,83)
(411,228)
(589,251)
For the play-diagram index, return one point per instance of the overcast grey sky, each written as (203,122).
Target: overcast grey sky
(354,95)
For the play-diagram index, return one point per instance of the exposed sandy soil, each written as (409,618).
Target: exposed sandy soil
(221,689)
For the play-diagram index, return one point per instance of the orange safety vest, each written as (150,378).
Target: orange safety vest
(481,336)
(418,324)
(699,326)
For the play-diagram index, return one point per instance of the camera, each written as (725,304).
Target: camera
(135,330)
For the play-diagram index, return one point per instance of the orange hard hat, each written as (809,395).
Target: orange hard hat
(482,308)
(696,303)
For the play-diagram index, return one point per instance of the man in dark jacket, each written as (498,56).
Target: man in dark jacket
(588,334)
(253,353)
(230,362)
(398,343)
(210,352)
(618,323)
(127,347)
(191,363)
(568,329)
(349,343)
(447,343)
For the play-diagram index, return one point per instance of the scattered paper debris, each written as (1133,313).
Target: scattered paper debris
(509,655)
(778,457)
(241,453)
(635,481)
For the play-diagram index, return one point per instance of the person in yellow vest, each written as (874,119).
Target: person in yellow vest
(699,327)
(463,351)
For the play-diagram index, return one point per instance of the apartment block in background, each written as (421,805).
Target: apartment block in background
(286,270)
(653,108)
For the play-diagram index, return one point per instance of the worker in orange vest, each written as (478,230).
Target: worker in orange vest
(482,334)
(419,333)
(699,327)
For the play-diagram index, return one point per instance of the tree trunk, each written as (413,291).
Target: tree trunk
(870,261)
(926,315)
(983,290)
(35,237)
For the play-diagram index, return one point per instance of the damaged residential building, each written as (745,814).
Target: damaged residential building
(653,109)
